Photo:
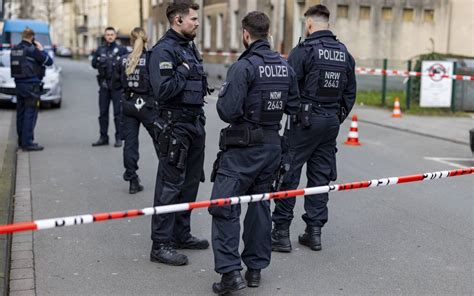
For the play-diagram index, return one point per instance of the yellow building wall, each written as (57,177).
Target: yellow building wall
(461,31)
(124,15)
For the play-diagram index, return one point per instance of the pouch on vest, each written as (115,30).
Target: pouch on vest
(305,114)
(192,93)
(164,140)
(237,137)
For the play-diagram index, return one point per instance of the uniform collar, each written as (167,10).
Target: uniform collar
(178,37)
(25,42)
(258,45)
(321,34)
(110,45)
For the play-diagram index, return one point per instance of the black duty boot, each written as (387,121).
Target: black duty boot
(193,243)
(135,186)
(311,238)
(281,238)
(33,147)
(252,276)
(102,141)
(166,254)
(118,143)
(230,281)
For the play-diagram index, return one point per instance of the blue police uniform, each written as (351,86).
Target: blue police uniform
(259,88)
(180,93)
(138,106)
(327,84)
(104,60)
(28,68)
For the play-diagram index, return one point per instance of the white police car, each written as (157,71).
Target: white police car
(11,36)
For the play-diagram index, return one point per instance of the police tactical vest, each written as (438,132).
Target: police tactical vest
(106,60)
(268,94)
(23,65)
(193,92)
(139,81)
(327,78)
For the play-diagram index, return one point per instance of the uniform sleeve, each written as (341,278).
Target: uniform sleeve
(42,57)
(167,78)
(349,94)
(230,104)
(117,75)
(297,61)
(94,59)
(293,104)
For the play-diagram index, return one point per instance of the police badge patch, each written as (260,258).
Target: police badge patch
(166,68)
(223,89)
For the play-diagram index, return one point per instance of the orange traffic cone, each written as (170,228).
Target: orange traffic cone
(353,138)
(397,113)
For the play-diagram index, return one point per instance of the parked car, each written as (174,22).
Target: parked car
(11,36)
(63,51)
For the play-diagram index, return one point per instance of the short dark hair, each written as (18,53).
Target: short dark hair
(110,29)
(257,24)
(181,7)
(318,10)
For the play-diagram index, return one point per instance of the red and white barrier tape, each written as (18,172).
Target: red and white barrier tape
(86,219)
(368,71)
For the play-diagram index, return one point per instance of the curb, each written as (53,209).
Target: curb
(415,132)
(7,186)
(22,262)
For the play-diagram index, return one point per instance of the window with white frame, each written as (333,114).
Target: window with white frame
(219,37)
(234,43)
(207,32)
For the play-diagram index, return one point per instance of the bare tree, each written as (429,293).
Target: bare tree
(26,9)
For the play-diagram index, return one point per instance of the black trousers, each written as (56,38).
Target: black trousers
(132,118)
(28,96)
(107,95)
(243,171)
(315,146)
(175,185)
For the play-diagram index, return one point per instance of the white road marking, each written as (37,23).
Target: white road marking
(448,161)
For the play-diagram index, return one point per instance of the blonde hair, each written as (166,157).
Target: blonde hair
(138,39)
(27,33)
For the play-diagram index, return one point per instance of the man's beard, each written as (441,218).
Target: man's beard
(190,35)
(245,43)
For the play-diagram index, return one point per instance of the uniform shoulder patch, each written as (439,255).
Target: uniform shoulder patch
(223,89)
(166,65)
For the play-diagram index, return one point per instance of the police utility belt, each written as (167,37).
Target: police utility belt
(180,116)
(306,112)
(246,136)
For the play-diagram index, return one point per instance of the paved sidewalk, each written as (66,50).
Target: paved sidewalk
(453,129)
(7,169)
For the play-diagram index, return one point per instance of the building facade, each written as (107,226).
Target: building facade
(372,29)
(393,29)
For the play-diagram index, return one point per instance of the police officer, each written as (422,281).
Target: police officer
(137,103)
(325,73)
(104,60)
(28,62)
(179,85)
(259,88)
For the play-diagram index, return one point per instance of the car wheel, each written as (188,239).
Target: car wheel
(56,105)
